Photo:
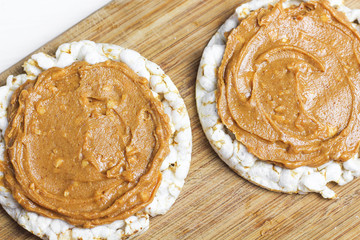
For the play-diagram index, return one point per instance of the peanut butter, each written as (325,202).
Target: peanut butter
(85,143)
(289,85)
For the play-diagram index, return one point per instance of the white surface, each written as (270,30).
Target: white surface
(26,25)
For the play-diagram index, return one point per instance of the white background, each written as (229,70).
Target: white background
(26,25)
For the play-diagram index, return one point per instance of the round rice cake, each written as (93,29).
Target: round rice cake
(267,175)
(174,168)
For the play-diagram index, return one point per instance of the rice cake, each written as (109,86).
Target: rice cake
(174,168)
(273,177)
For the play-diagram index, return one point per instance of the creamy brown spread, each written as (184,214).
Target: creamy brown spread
(85,143)
(289,85)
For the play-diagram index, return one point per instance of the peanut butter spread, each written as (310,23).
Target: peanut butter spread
(85,143)
(289,85)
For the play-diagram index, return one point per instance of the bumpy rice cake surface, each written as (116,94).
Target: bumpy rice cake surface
(233,153)
(174,168)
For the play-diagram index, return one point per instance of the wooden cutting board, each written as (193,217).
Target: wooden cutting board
(215,202)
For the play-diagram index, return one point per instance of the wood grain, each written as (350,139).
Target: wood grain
(215,202)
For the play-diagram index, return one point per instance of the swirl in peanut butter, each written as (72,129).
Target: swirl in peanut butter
(289,85)
(85,143)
